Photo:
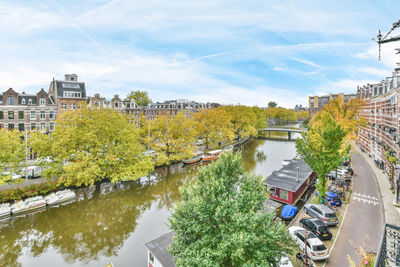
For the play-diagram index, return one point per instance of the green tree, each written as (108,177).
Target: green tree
(141,97)
(220,220)
(321,149)
(12,153)
(90,145)
(243,120)
(272,104)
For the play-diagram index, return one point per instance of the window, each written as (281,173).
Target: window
(1,115)
(11,115)
(69,94)
(42,115)
(151,258)
(43,101)
(116,104)
(284,194)
(51,126)
(64,106)
(30,101)
(33,115)
(51,115)
(33,126)
(23,102)
(11,101)
(1,126)
(20,115)
(11,126)
(72,106)
(21,127)
(42,126)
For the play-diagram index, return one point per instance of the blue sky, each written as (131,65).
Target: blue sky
(249,52)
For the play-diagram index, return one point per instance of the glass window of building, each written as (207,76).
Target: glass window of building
(30,101)
(11,126)
(72,106)
(51,126)
(33,126)
(42,115)
(11,101)
(42,101)
(21,127)
(64,106)
(20,115)
(33,115)
(10,115)
(52,115)
(1,115)
(23,102)
(43,126)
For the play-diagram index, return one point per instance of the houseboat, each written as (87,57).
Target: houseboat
(192,160)
(157,251)
(28,204)
(211,155)
(288,184)
(5,210)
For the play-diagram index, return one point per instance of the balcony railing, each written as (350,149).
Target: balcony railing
(389,247)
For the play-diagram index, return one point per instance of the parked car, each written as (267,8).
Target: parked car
(285,262)
(316,250)
(317,226)
(13,175)
(321,212)
(334,198)
(32,171)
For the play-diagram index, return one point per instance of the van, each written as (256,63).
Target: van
(32,171)
(322,212)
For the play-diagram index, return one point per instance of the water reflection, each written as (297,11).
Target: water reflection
(112,222)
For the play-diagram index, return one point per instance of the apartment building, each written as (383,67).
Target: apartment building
(317,103)
(27,111)
(380,138)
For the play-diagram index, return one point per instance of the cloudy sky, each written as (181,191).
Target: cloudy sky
(249,52)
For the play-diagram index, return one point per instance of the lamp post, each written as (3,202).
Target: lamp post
(26,156)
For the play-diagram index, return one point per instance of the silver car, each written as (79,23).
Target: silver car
(322,212)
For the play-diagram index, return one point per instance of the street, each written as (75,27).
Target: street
(363,223)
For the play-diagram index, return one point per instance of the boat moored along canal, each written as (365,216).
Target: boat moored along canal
(192,160)
(211,155)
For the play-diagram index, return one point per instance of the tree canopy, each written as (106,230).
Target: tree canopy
(272,104)
(12,153)
(141,97)
(220,220)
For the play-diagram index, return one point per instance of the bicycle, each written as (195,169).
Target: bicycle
(300,259)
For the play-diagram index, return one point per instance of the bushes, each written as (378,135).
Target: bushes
(29,191)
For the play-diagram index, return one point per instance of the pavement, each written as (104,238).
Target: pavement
(364,220)
(391,213)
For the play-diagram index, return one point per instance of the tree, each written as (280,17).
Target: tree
(90,145)
(243,120)
(173,138)
(141,97)
(12,153)
(272,104)
(302,115)
(214,125)
(220,220)
(321,149)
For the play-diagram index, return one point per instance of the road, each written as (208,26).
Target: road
(363,224)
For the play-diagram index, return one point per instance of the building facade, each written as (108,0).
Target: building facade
(68,94)
(380,138)
(27,112)
(317,103)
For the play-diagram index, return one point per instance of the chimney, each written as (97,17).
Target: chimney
(298,174)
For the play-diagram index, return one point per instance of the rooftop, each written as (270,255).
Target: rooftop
(159,248)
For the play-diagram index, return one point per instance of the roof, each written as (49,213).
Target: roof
(286,177)
(159,248)
(70,86)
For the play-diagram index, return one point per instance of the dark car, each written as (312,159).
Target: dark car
(318,227)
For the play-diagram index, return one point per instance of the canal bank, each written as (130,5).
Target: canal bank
(111,224)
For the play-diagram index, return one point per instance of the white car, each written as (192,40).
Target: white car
(316,250)
(13,175)
(285,262)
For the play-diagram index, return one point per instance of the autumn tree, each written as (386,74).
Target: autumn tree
(302,115)
(173,138)
(220,220)
(243,120)
(214,125)
(282,115)
(321,148)
(141,97)
(89,145)
(12,153)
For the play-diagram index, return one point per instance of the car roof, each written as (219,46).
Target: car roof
(317,221)
(321,207)
(315,241)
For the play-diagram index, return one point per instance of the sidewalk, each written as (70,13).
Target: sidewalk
(390,212)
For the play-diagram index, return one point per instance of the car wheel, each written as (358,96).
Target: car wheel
(306,211)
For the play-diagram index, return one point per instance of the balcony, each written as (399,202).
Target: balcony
(389,247)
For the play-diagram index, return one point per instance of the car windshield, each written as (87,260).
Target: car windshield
(319,248)
(330,215)
(323,229)
(312,235)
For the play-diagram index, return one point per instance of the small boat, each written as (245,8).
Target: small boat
(29,204)
(5,210)
(59,197)
(227,148)
(192,160)
(288,212)
(211,155)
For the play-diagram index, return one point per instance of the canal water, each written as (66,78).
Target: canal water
(112,223)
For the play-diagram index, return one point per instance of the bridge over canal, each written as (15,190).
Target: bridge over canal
(289,131)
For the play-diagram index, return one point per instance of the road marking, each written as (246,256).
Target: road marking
(367,199)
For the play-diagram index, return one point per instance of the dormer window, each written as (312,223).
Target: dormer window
(42,101)
(30,101)
(23,102)
(11,101)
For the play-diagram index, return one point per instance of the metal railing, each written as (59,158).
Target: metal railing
(389,247)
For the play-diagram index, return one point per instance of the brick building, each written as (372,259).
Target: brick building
(25,111)
(317,103)
(380,138)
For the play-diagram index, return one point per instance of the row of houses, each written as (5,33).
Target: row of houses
(380,137)
(39,111)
